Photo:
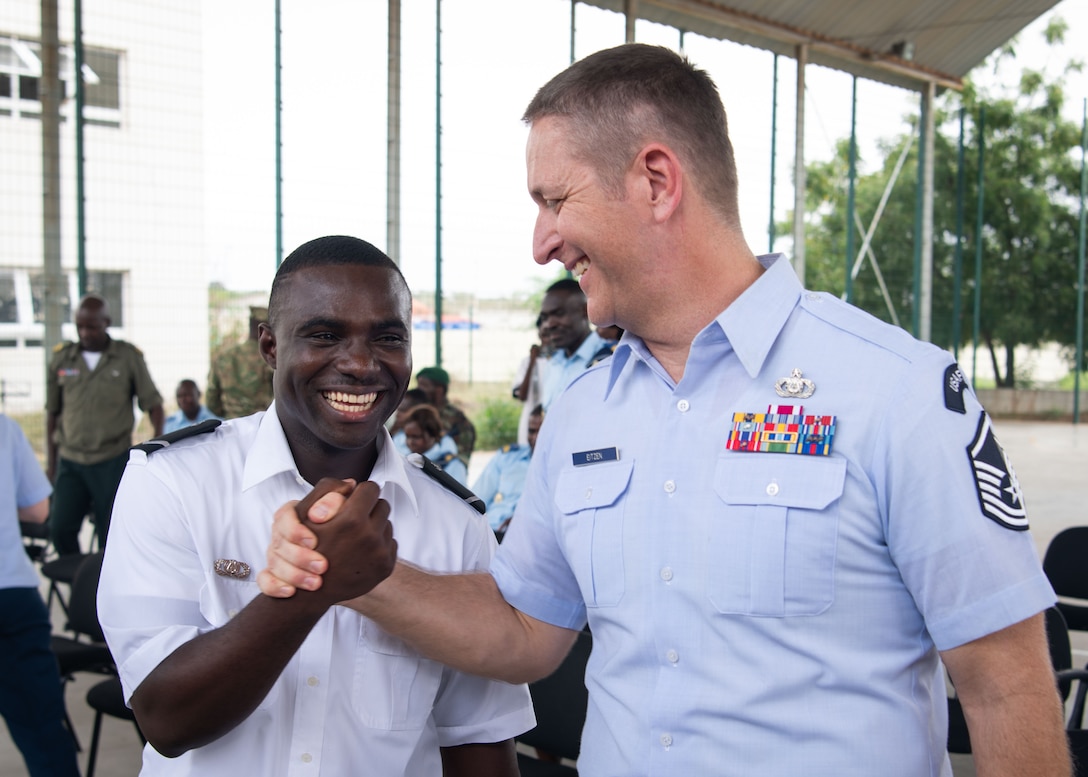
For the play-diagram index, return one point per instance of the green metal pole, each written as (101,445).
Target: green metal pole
(978,242)
(1080,265)
(774,148)
(957,261)
(438,185)
(279,142)
(851,193)
(81,216)
(916,307)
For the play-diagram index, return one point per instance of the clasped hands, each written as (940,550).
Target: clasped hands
(357,551)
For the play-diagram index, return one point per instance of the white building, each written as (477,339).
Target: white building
(143,184)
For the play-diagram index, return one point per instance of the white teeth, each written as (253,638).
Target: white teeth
(580,267)
(343,401)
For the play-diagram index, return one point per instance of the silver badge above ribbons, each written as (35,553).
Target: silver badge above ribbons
(794,387)
(228,567)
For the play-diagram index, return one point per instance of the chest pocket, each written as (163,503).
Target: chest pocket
(394,686)
(591,499)
(774,553)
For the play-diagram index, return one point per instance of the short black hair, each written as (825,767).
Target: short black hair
(567,285)
(325,252)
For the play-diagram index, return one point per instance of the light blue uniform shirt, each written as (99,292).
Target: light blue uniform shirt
(768,613)
(501,482)
(444,454)
(179,420)
(562,369)
(22,484)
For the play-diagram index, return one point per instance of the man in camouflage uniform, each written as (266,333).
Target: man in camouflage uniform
(435,382)
(240,382)
(89,420)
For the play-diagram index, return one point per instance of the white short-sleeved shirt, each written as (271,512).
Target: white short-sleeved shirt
(771,613)
(353,700)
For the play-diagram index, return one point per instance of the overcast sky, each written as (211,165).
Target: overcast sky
(495,54)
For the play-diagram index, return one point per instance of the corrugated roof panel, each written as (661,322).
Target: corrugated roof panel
(949,37)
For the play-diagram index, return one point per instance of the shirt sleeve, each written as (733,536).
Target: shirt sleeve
(149,592)
(970,572)
(146,392)
(31,484)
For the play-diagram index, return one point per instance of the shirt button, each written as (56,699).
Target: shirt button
(683,406)
(300,480)
(772,489)
(312,682)
(672,656)
(306,758)
(666,740)
(589,493)
(670,486)
(232,613)
(666,574)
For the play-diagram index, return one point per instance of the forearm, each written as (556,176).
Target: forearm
(463,621)
(209,685)
(1005,683)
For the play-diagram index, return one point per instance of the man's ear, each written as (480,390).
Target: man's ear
(658,166)
(266,344)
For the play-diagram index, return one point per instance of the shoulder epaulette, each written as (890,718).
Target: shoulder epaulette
(61,346)
(443,461)
(166,440)
(510,446)
(447,481)
(605,351)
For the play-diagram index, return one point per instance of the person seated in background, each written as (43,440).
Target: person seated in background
(500,484)
(424,434)
(412,398)
(190,411)
(436,382)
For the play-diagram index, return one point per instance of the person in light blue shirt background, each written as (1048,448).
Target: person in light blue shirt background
(782,519)
(501,483)
(423,434)
(190,410)
(31,692)
(564,325)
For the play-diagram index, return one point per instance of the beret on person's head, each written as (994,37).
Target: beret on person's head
(435,375)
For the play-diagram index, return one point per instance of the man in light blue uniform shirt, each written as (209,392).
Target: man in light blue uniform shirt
(190,411)
(503,479)
(778,515)
(563,322)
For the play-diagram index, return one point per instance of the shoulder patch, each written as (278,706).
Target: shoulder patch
(447,481)
(955,384)
(166,440)
(60,346)
(999,493)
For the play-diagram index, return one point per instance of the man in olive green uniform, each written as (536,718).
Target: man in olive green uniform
(240,382)
(435,382)
(88,404)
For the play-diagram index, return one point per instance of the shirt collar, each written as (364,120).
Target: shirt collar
(751,323)
(270,455)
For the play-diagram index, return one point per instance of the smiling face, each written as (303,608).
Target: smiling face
(563,320)
(593,233)
(340,345)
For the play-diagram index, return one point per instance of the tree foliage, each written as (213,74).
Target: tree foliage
(1030,207)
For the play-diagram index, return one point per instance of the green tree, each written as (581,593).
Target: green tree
(1029,234)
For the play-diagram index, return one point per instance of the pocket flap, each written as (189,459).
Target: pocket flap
(807,482)
(592,486)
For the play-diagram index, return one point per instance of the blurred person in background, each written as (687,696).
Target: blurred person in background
(423,434)
(239,380)
(190,411)
(435,381)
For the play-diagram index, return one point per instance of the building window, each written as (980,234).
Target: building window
(20,76)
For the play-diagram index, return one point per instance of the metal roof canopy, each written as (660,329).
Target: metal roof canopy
(906,44)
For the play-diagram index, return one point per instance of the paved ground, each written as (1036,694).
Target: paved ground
(1051,461)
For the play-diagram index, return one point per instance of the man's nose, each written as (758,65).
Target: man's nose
(546,240)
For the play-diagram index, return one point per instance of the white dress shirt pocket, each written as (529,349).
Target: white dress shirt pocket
(591,500)
(774,551)
(394,686)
